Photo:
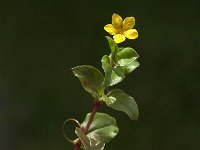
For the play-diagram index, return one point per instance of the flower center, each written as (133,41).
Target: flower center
(120,30)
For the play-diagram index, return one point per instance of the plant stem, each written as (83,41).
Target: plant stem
(85,130)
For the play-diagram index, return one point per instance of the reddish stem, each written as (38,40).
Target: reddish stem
(85,130)
(78,145)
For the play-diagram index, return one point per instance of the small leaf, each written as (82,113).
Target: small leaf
(91,79)
(107,69)
(114,49)
(117,75)
(90,142)
(113,75)
(108,100)
(125,63)
(126,55)
(131,66)
(103,125)
(124,102)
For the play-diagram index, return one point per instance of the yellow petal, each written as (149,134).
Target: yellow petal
(128,23)
(118,38)
(131,34)
(117,21)
(110,29)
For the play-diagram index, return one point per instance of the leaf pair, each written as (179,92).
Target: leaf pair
(119,63)
(93,82)
(102,130)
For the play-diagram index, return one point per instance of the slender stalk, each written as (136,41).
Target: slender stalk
(78,145)
(85,130)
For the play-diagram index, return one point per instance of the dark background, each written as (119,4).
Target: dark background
(41,40)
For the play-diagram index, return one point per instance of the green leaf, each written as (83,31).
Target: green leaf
(108,100)
(103,125)
(107,69)
(91,142)
(131,66)
(127,59)
(113,75)
(124,102)
(125,63)
(114,49)
(91,79)
(126,55)
(117,75)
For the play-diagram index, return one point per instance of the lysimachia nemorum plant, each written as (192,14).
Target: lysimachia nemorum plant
(100,128)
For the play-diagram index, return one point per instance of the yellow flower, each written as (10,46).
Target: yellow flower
(121,29)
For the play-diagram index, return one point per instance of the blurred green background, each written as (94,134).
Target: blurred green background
(40,41)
